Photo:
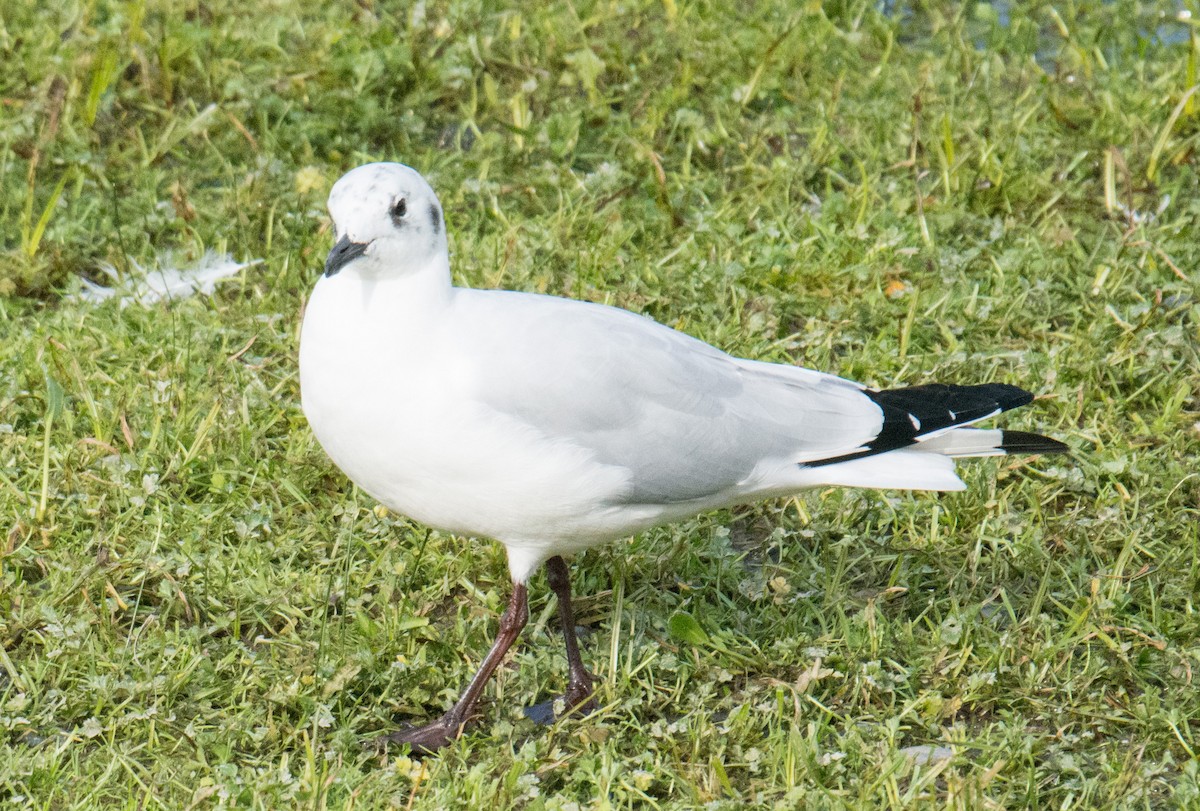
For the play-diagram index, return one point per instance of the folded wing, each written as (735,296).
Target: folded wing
(689,422)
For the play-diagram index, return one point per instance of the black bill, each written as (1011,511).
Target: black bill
(343,253)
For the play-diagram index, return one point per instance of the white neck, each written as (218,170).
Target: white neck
(419,293)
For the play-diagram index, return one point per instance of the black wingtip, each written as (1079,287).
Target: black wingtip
(1025,442)
(915,411)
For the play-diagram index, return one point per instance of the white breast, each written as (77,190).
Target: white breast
(394,411)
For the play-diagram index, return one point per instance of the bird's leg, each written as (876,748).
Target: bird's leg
(579,682)
(432,737)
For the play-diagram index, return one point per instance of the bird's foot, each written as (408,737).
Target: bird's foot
(579,700)
(580,697)
(425,740)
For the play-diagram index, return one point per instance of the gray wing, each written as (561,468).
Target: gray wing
(685,419)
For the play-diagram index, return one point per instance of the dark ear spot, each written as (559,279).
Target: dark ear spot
(435,218)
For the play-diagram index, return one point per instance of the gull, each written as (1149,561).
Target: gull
(552,425)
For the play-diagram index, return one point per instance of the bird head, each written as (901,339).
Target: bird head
(386,220)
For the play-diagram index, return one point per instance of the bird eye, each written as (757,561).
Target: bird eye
(399,209)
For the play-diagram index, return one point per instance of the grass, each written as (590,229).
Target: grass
(197,610)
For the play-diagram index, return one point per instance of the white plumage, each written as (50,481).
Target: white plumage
(552,425)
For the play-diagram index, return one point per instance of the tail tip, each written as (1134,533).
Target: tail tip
(1025,442)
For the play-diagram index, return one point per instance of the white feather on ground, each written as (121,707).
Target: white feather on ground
(167,281)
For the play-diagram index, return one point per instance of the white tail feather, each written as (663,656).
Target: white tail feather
(963,442)
(905,469)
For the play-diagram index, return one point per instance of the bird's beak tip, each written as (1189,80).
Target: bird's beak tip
(342,254)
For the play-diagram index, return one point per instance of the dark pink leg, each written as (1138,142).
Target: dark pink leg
(580,686)
(430,738)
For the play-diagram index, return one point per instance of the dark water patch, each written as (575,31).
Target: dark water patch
(1117,30)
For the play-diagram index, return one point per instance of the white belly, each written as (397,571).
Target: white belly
(401,424)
